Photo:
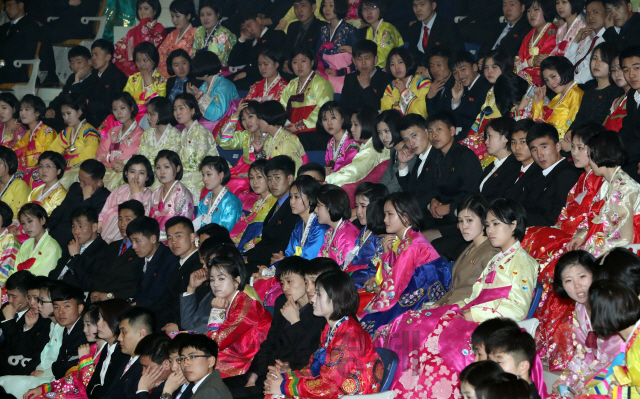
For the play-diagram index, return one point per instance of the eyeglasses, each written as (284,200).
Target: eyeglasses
(183,359)
(46,166)
(41,302)
(369,8)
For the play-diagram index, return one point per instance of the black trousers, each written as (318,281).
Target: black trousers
(238,390)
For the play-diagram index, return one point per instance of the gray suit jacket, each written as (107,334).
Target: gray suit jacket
(390,178)
(212,388)
(194,316)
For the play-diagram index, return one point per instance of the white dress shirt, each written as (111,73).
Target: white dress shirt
(496,164)
(577,51)
(545,172)
(197,385)
(423,159)
(107,361)
(636,96)
(428,25)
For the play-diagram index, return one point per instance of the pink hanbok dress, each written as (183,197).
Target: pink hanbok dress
(341,154)
(339,242)
(117,145)
(108,218)
(179,202)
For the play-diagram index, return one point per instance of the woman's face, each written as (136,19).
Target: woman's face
(211,177)
(356,129)
(370,13)
(258,181)
(28,114)
(146,9)
(323,213)
(616,73)
(70,116)
(467,390)
(166,171)
(398,68)
(221,283)
(332,122)
(6,112)
(208,17)
(385,135)
(90,330)
(322,305)
(137,174)
(48,171)
(552,79)
(362,203)
(491,70)
(579,153)
(576,281)
(180,21)
(599,68)
(393,221)
(302,66)
(563,7)
(144,63)
(182,112)
(180,67)
(31,225)
(152,116)
(299,202)
(495,142)
(121,111)
(536,16)
(500,234)
(327,11)
(268,68)
(249,120)
(470,225)
(293,286)
(4,169)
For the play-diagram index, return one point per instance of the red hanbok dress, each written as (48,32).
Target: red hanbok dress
(546,245)
(618,112)
(146,31)
(544,43)
(74,384)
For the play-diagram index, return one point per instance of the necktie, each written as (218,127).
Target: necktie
(502,38)
(123,249)
(425,38)
(521,173)
(146,263)
(593,43)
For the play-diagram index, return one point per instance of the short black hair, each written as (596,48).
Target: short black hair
(178,339)
(620,264)
(6,213)
(88,212)
(247,15)
(342,291)
(9,157)
(607,299)
(475,203)
(145,226)
(230,266)
(105,45)
(561,65)
(577,6)
(200,342)
(20,280)
(478,372)
(57,159)
(502,126)
(184,7)
(548,8)
(176,54)
(139,160)
(572,258)
(407,208)
(259,165)
(211,249)
(320,265)
(616,2)
(219,233)
(176,220)
(66,292)
(148,49)
(212,4)
(372,191)
(391,118)
(486,328)
(36,103)
(79,51)
(38,282)
(410,120)
(305,51)
(134,206)
(312,167)
(439,51)
(11,100)
(163,107)
(34,210)
(206,63)
(501,58)
(218,164)
(513,342)
(608,52)
(375,217)
(585,131)
(443,116)
(283,163)
(508,211)
(155,5)
(93,168)
(523,125)
(340,8)
(541,130)
(139,317)
(404,54)
(337,202)
(110,311)
(629,52)
(331,107)
(191,102)
(509,89)
(309,187)
(75,102)
(273,53)
(461,57)
(155,347)
(364,46)
(272,112)
(173,158)
(503,386)
(291,265)
(606,149)
(366,117)
(128,100)
(379,4)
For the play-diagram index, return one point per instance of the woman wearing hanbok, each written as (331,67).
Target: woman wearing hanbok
(557,73)
(382,33)
(40,253)
(270,62)
(408,90)
(196,141)
(219,206)
(538,43)
(182,13)
(279,141)
(619,106)
(138,177)
(50,193)
(573,22)
(148,30)
(346,362)
(13,190)
(212,36)
(333,210)
(9,244)
(304,95)
(504,290)
(172,198)
(149,82)
(237,323)
(11,131)
(341,147)
(122,141)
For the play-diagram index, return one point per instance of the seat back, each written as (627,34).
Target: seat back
(390,361)
(536,299)
(96,25)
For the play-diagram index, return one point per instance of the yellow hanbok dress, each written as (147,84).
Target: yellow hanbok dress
(196,143)
(362,164)
(76,147)
(561,111)
(32,144)
(9,247)
(475,137)
(285,143)
(304,114)
(411,100)
(150,147)
(141,93)
(387,38)
(50,200)
(15,194)
(41,258)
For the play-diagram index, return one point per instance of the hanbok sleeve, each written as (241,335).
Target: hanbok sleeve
(386,102)
(292,147)
(144,197)
(226,329)
(17,195)
(214,107)
(362,164)
(57,144)
(10,248)
(288,92)
(46,257)
(230,211)
(103,148)
(230,138)
(419,105)
(323,92)
(69,383)
(91,144)
(294,241)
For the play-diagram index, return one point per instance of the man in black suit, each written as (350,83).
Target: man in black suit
(430,31)
(366,86)
(153,354)
(500,175)
(106,81)
(510,37)
(482,19)
(529,172)
(89,192)
(630,131)
(280,221)
(443,80)
(306,30)
(200,370)
(159,263)
(18,41)
(118,274)
(625,31)
(77,266)
(68,304)
(549,195)
(254,36)
(136,323)
(468,93)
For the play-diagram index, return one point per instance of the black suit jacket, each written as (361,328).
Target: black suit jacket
(104,88)
(95,390)
(436,103)
(81,267)
(247,54)
(470,106)
(629,33)
(126,384)
(154,283)
(423,186)
(17,42)
(276,232)
(442,33)
(190,79)
(630,135)
(118,274)
(355,97)
(521,188)
(309,38)
(68,355)
(20,352)
(512,41)
(501,179)
(154,394)
(549,194)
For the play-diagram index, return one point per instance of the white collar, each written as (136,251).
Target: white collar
(74,324)
(133,360)
(261,34)
(550,168)
(636,96)
(195,387)
(474,81)
(20,314)
(523,168)
(497,162)
(85,246)
(149,258)
(183,260)
(430,23)
(15,21)
(424,156)
(601,32)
